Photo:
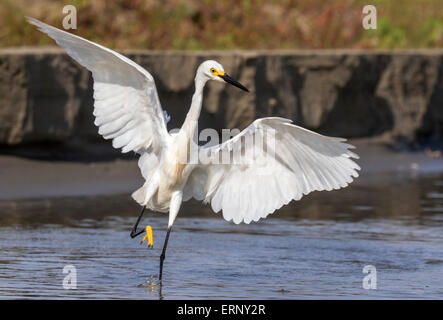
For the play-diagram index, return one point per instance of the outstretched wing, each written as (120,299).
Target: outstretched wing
(289,162)
(126,105)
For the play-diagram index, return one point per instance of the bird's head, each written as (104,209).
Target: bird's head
(212,70)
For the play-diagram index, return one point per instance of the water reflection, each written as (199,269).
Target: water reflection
(381,196)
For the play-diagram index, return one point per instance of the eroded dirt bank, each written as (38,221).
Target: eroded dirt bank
(46,98)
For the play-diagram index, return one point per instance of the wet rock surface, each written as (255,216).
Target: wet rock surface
(46,97)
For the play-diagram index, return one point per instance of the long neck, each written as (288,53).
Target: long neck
(194,111)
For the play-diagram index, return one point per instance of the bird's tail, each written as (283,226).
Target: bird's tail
(145,193)
(139,195)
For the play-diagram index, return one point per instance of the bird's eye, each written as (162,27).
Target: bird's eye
(212,70)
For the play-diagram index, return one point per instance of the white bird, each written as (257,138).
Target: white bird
(128,111)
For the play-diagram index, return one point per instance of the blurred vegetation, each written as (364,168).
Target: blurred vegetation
(231,24)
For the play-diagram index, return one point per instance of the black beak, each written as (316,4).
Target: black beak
(228,79)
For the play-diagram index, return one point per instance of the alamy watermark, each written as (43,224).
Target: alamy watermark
(70,281)
(70,20)
(370,281)
(254,146)
(370,19)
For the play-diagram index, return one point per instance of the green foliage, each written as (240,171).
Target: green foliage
(231,24)
(389,36)
(430,33)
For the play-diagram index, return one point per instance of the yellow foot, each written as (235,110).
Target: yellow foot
(148,236)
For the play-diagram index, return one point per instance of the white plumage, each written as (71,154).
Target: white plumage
(126,104)
(303,161)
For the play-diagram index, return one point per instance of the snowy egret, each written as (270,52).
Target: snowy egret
(128,111)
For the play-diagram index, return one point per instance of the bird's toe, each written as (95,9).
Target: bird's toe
(148,236)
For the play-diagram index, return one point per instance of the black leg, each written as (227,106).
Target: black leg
(162,256)
(134,231)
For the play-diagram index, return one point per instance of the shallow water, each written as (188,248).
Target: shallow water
(314,248)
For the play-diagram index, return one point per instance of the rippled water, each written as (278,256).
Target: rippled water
(314,248)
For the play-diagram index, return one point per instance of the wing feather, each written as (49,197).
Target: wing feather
(302,161)
(126,104)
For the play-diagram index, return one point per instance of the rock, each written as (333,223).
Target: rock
(384,96)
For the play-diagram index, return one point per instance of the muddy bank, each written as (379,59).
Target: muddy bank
(386,97)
